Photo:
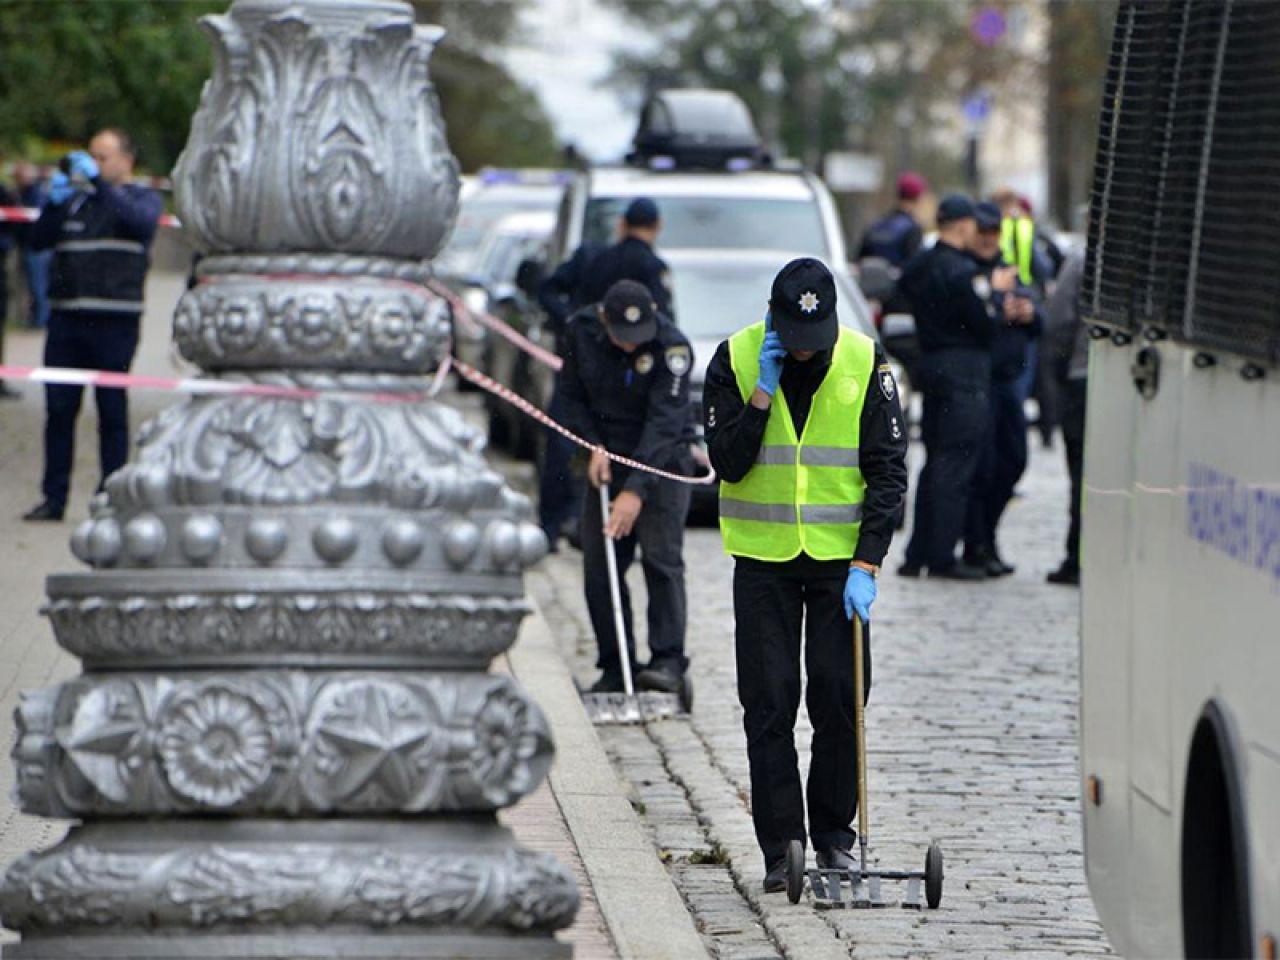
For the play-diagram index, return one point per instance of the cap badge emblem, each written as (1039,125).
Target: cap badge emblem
(808,302)
(631,314)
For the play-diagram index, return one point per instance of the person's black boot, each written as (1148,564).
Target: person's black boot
(775,878)
(835,858)
(1067,575)
(608,683)
(958,571)
(45,512)
(662,677)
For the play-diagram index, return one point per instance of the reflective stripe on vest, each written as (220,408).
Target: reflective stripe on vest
(802,494)
(1017,246)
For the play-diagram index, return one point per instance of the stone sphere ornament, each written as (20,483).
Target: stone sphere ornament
(104,542)
(402,541)
(201,537)
(533,544)
(266,539)
(335,540)
(80,542)
(461,543)
(144,538)
(503,540)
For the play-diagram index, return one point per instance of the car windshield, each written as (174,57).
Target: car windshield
(714,299)
(501,255)
(700,223)
(479,213)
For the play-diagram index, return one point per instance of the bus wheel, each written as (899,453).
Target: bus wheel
(1215,849)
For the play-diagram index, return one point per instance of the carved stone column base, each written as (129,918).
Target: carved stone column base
(374,889)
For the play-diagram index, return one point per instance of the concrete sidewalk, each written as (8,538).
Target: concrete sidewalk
(630,909)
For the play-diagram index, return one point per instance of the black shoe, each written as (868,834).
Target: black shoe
(45,512)
(1068,575)
(909,570)
(959,571)
(660,677)
(573,533)
(834,858)
(775,878)
(987,560)
(608,683)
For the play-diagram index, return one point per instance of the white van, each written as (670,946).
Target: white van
(1180,717)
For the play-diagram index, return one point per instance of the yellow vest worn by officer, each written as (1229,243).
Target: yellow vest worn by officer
(804,493)
(1017,245)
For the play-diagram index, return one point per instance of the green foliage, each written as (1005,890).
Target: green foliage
(70,67)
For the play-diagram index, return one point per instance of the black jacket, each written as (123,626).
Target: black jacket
(735,430)
(636,404)
(587,276)
(950,314)
(1010,342)
(101,240)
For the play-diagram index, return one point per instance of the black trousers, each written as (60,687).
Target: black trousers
(1000,467)
(771,603)
(90,341)
(659,533)
(956,385)
(559,490)
(1074,396)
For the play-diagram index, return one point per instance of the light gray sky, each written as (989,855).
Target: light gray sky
(565,57)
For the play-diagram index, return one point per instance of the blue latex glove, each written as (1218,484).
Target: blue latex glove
(859,594)
(82,165)
(60,188)
(772,353)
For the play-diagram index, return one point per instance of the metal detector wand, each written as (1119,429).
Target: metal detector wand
(615,592)
(860,735)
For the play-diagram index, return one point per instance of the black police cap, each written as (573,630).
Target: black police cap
(988,215)
(630,313)
(803,305)
(641,212)
(955,206)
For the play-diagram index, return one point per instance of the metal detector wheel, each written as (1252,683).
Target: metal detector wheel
(933,876)
(795,870)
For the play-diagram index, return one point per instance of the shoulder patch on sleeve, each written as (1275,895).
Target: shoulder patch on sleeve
(982,286)
(678,359)
(888,386)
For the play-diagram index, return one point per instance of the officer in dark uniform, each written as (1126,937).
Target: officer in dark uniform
(1005,457)
(625,387)
(804,428)
(897,237)
(955,326)
(581,280)
(100,227)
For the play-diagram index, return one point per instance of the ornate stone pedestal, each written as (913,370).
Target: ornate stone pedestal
(286,742)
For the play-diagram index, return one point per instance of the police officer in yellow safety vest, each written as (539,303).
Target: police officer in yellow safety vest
(804,428)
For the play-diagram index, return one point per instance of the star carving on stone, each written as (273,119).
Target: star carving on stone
(380,737)
(808,302)
(103,741)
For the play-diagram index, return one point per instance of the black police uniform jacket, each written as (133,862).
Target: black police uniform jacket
(1010,343)
(101,241)
(587,276)
(734,431)
(636,404)
(950,314)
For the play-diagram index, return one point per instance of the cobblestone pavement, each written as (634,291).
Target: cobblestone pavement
(972,732)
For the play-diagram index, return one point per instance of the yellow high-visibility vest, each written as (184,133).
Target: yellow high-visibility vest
(803,493)
(1017,245)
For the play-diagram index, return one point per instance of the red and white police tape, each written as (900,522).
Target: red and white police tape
(32,214)
(504,330)
(199,386)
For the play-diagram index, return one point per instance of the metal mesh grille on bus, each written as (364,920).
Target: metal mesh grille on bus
(1186,197)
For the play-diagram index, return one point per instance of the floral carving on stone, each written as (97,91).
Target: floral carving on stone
(217,743)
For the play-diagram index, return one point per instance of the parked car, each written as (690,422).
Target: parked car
(513,239)
(492,195)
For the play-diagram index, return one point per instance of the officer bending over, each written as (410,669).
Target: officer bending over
(100,227)
(625,385)
(804,428)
